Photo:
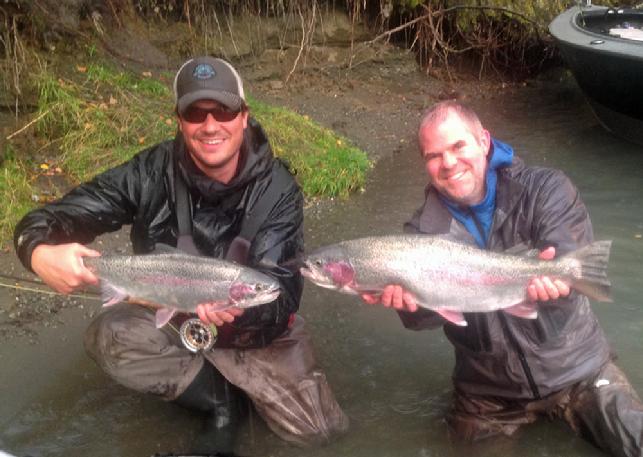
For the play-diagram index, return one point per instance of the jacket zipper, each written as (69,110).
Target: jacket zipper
(521,355)
(507,330)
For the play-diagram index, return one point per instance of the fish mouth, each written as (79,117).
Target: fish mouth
(260,298)
(317,278)
(271,295)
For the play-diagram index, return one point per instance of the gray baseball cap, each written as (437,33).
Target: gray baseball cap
(208,78)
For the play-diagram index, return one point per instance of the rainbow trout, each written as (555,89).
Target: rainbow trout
(174,281)
(452,278)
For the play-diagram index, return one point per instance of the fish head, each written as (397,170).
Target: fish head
(252,288)
(329,267)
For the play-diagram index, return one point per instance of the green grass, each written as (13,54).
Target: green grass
(16,191)
(99,117)
(103,119)
(325,164)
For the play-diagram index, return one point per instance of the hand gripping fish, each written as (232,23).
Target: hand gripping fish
(174,281)
(452,278)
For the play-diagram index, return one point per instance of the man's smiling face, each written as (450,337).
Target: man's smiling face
(213,136)
(456,159)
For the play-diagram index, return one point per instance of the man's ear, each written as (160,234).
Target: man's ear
(177,117)
(485,141)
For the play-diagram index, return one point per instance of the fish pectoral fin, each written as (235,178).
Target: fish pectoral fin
(163,316)
(524,310)
(111,294)
(455,317)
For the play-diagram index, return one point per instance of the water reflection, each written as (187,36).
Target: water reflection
(394,384)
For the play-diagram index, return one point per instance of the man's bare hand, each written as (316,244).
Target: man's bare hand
(61,266)
(393,296)
(544,288)
(208,315)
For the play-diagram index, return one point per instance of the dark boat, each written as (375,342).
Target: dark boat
(603,47)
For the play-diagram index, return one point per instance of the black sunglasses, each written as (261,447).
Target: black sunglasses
(196,115)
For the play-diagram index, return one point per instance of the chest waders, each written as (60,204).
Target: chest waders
(282,378)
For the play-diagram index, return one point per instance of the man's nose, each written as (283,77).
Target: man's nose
(449,159)
(210,123)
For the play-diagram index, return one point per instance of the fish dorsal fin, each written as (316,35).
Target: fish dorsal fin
(238,250)
(521,249)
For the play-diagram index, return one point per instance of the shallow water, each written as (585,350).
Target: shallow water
(393,383)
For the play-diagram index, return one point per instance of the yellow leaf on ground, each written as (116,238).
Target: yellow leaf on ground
(147,74)
(81,69)
(44,166)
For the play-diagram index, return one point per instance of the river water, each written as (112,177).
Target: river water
(393,383)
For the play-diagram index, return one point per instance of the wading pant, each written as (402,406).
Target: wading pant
(286,387)
(605,410)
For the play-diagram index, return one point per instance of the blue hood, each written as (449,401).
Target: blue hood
(477,219)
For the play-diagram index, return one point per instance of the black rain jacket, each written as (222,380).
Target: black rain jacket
(140,192)
(505,356)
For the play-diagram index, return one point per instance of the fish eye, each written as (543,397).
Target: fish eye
(259,287)
(318,263)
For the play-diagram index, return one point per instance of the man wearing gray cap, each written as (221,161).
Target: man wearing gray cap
(215,190)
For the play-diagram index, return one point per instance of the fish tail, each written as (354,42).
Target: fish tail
(593,280)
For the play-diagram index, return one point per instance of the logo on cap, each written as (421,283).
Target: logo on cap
(204,71)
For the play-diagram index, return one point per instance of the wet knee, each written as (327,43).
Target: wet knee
(121,329)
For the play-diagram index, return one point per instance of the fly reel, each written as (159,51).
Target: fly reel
(197,336)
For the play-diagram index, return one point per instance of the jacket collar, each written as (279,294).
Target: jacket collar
(436,218)
(508,192)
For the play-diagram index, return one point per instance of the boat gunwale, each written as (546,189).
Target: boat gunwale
(565,29)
